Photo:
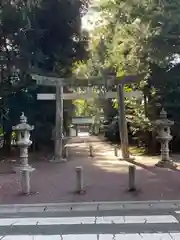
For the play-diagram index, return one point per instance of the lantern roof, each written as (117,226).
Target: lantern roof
(23,125)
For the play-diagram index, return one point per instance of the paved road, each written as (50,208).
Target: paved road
(57,224)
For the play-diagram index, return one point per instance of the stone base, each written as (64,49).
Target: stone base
(166,164)
(80,192)
(22,168)
(132,189)
(130,159)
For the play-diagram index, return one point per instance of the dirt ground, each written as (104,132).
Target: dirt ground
(105,178)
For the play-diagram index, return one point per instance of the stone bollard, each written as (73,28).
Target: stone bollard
(79,180)
(25,182)
(116,151)
(132,184)
(66,153)
(91,151)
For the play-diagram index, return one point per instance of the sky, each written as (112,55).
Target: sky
(89,21)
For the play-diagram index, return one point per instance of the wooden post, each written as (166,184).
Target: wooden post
(122,123)
(59,124)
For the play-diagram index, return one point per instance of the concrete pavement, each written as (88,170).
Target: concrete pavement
(90,206)
(100,221)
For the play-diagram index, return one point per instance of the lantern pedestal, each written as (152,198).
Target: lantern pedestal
(24,172)
(165,158)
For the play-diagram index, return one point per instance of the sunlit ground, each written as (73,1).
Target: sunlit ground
(83,134)
(104,155)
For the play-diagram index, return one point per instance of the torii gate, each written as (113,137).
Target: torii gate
(59,83)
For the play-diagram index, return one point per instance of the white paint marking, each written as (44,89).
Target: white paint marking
(135,236)
(178,212)
(106,237)
(18,237)
(175,236)
(109,220)
(47,221)
(7,221)
(26,221)
(80,237)
(151,219)
(155,236)
(88,220)
(132,236)
(67,221)
(134,219)
(49,237)
(161,219)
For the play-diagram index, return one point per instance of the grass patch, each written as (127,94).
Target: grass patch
(138,151)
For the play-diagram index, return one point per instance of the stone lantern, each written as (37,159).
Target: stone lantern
(164,137)
(23,142)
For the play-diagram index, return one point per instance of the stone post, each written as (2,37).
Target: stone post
(23,142)
(164,137)
(77,130)
(116,151)
(79,180)
(66,153)
(91,150)
(132,184)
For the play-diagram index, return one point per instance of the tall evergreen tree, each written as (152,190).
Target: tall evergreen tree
(41,34)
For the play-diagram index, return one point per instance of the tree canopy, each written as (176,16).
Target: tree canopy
(131,37)
(139,37)
(38,34)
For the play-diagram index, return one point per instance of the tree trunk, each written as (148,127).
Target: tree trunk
(7,142)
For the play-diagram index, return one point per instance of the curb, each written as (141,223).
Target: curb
(89,206)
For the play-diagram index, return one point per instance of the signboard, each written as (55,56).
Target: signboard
(136,94)
(46,96)
(82,120)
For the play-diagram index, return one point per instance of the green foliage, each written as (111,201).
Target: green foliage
(14,62)
(43,34)
(84,108)
(140,37)
(143,32)
(1,131)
